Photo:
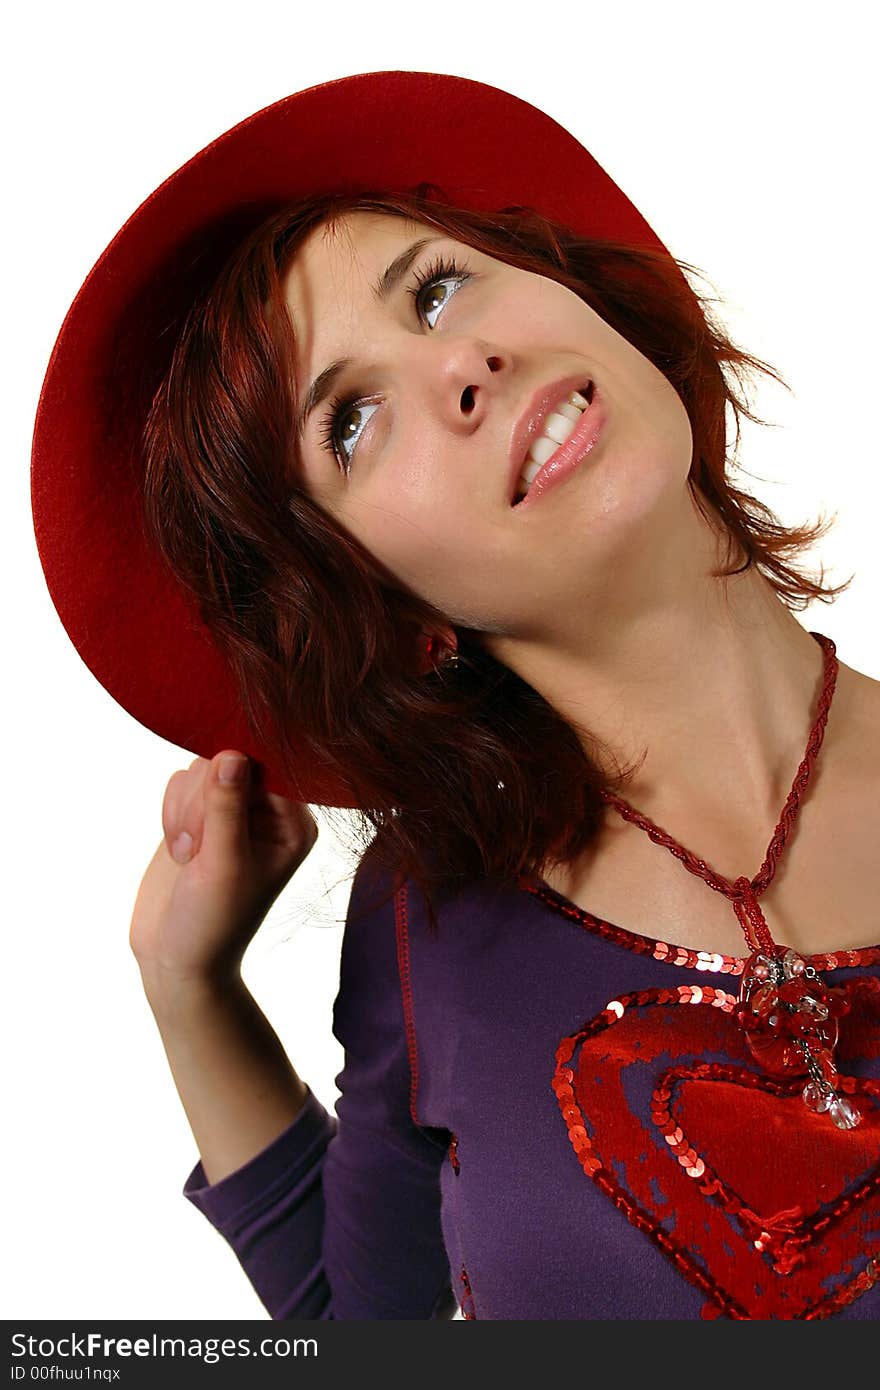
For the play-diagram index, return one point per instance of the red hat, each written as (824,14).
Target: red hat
(134,628)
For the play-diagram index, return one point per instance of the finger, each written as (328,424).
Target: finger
(278,820)
(182,810)
(225,834)
(174,805)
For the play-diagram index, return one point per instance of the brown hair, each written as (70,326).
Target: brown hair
(468,774)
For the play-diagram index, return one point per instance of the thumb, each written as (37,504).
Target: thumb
(226,832)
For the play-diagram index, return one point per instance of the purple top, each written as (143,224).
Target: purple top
(543,1115)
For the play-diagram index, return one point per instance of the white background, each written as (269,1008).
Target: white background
(747,135)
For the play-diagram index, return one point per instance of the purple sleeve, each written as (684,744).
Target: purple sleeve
(339,1217)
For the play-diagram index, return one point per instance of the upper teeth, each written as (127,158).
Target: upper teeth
(559,424)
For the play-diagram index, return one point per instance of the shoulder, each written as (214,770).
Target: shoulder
(374,884)
(367,1010)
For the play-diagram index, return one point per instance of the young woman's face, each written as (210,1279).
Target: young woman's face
(417,463)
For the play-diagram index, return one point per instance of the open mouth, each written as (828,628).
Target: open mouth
(560,424)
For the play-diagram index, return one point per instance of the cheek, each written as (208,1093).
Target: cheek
(545,314)
(673,422)
(415,526)
(425,554)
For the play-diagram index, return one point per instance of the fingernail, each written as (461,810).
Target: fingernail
(181,850)
(232,769)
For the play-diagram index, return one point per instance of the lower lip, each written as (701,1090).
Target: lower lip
(575,449)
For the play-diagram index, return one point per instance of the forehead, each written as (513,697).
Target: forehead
(327,285)
(355,245)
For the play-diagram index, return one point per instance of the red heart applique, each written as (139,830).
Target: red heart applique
(767,1207)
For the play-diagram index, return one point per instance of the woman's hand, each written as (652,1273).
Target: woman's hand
(228,850)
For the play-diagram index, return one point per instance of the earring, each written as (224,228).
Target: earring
(438,655)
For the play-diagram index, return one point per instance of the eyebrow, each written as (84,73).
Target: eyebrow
(381,291)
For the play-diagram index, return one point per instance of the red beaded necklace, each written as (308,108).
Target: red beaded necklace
(789,1014)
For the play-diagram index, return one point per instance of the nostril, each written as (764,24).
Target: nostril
(494,364)
(467,398)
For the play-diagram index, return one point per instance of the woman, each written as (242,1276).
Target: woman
(530,1124)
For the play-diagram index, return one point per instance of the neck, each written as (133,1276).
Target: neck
(709,685)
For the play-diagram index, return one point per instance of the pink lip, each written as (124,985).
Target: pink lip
(532,419)
(566,458)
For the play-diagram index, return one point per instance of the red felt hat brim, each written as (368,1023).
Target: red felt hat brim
(132,625)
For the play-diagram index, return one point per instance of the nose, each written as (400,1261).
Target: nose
(458,379)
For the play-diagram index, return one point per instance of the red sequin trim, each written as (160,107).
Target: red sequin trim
(467,1302)
(453,1154)
(401,920)
(712,961)
(861,1284)
(784,1247)
(789,1233)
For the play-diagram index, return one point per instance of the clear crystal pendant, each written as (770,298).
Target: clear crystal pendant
(790,1018)
(844,1113)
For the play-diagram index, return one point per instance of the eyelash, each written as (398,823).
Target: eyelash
(443,267)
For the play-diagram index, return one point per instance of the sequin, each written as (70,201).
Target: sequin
(682,956)
(788,1241)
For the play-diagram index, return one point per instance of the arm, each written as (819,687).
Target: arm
(233,1077)
(339,1217)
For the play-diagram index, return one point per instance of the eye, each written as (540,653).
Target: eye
(432,289)
(343,425)
(435,278)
